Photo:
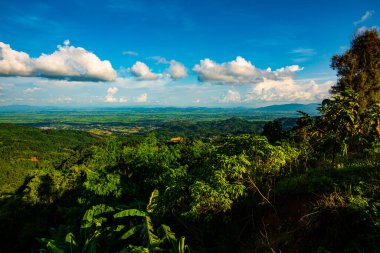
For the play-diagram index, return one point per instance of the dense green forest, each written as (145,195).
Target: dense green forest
(305,185)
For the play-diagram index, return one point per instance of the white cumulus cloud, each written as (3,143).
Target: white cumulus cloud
(232,96)
(68,62)
(288,90)
(142,72)
(142,98)
(176,70)
(282,73)
(111,91)
(239,71)
(109,97)
(14,63)
(123,100)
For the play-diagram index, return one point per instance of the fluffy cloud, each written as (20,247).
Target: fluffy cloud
(176,70)
(68,62)
(288,90)
(282,73)
(366,16)
(232,96)
(112,90)
(123,100)
(110,96)
(14,63)
(142,72)
(142,98)
(74,63)
(239,71)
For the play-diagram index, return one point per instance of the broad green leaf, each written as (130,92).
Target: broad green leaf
(129,213)
(152,240)
(131,232)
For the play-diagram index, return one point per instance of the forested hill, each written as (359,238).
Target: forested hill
(192,129)
(23,149)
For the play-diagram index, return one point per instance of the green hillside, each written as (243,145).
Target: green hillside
(24,149)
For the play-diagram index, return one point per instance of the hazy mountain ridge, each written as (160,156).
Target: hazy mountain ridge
(293,107)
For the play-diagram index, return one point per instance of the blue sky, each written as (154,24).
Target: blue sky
(174,53)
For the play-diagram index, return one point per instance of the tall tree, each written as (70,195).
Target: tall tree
(358,69)
(350,118)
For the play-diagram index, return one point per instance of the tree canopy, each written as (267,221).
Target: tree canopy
(358,68)
(358,71)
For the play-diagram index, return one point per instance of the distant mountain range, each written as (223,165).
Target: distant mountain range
(26,108)
(308,108)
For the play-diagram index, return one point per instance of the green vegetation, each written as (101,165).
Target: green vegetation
(229,185)
(26,150)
